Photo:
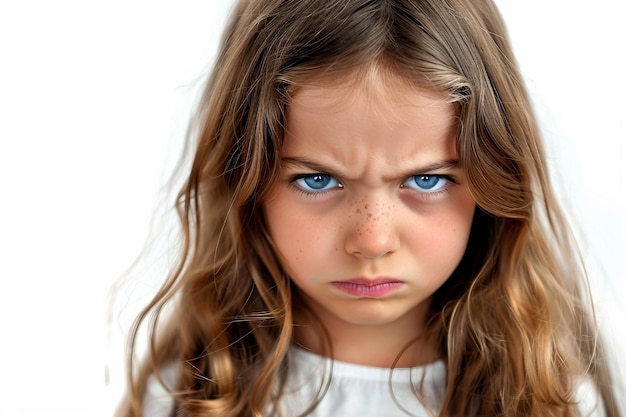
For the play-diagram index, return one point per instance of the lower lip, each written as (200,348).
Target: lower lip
(367,291)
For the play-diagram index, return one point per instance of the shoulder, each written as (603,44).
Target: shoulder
(588,399)
(157,401)
(307,375)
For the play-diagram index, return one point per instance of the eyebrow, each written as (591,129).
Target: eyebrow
(317,167)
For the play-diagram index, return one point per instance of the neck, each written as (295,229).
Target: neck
(398,344)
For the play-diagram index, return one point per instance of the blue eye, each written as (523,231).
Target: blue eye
(426,183)
(316,182)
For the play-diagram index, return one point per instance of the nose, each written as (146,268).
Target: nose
(372,230)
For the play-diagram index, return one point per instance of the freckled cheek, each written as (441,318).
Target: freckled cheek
(300,237)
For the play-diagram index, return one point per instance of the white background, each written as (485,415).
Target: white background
(94,100)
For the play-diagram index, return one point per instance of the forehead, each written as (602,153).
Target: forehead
(373,127)
(371,97)
(375,88)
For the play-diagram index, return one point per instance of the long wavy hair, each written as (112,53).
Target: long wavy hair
(513,323)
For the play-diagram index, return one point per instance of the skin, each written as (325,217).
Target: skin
(366,238)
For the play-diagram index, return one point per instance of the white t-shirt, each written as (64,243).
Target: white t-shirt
(354,390)
(357,390)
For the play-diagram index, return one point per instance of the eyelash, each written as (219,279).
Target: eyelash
(317,194)
(311,193)
(431,194)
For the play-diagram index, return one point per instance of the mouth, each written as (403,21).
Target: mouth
(368,288)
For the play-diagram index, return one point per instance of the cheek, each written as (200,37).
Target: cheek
(444,239)
(459,226)
(300,238)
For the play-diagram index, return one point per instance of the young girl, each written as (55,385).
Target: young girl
(369,229)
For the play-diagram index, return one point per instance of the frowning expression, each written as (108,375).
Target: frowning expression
(371,213)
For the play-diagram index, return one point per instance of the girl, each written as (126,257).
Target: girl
(369,229)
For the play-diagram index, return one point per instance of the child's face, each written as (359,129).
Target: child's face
(371,213)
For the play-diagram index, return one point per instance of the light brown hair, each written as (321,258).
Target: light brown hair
(513,322)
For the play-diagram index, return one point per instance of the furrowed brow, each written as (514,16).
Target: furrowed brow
(306,163)
(437,166)
(432,168)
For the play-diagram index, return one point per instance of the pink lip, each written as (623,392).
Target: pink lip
(368,288)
